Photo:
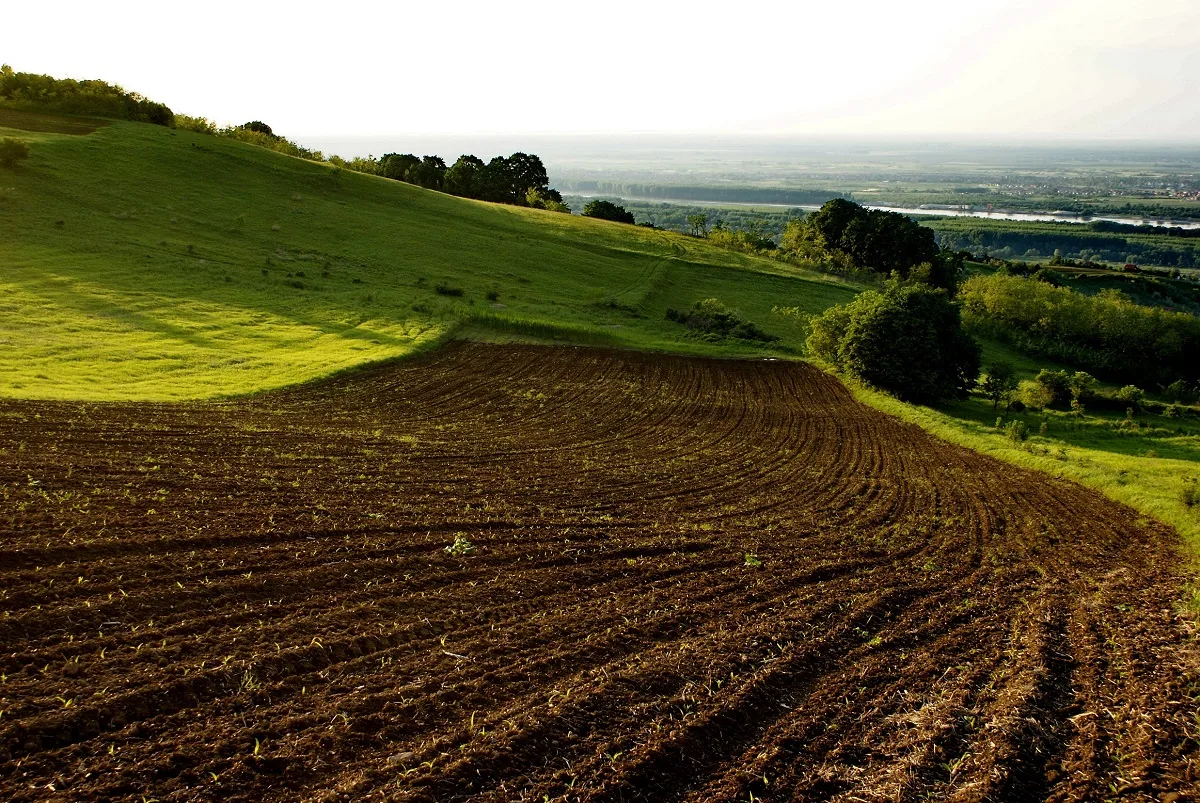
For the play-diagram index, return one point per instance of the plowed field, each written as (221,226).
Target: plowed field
(687,580)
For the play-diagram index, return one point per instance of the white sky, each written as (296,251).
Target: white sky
(1058,68)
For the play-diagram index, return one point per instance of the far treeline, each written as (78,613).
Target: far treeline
(682,192)
(1097,241)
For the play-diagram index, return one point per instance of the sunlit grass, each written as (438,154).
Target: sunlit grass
(144,263)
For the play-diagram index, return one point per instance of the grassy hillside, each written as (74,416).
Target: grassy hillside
(145,263)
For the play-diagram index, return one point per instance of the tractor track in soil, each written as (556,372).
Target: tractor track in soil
(253,600)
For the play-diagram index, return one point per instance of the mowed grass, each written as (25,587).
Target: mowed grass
(144,263)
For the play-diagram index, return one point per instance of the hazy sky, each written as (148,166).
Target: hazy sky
(1070,68)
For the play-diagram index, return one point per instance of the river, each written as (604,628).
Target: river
(1044,217)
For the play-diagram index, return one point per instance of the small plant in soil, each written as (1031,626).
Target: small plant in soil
(461,546)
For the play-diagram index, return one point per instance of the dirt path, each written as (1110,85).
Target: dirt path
(253,600)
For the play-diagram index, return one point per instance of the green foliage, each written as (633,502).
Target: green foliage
(21,90)
(1099,240)
(750,240)
(606,210)
(1060,388)
(258,126)
(999,382)
(1017,431)
(199,125)
(907,340)
(270,141)
(13,151)
(885,242)
(1106,333)
(1190,494)
(1131,395)
(698,224)
(712,318)
(461,546)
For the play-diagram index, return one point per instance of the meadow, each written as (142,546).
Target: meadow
(147,263)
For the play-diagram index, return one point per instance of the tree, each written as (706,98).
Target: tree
(397,165)
(999,383)
(428,173)
(698,224)
(605,210)
(907,340)
(13,151)
(258,126)
(871,239)
(546,199)
(465,177)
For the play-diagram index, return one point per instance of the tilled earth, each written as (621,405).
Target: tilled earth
(676,580)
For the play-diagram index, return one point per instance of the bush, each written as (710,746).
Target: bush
(1017,431)
(1131,395)
(605,210)
(13,151)
(447,290)
(1034,395)
(907,340)
(201,125)
(711,317)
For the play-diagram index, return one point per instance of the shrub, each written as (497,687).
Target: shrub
(447,290)
(1017,431)
(201,125)
(1034,395)
(605,210)
(1190,495)
(711,317)
(907,340)
(1131,395)
(13,151)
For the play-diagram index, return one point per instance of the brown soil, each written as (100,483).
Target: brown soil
(253,600)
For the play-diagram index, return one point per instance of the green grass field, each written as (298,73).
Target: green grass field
(145,263)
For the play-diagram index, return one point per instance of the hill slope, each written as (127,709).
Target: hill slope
(145,263)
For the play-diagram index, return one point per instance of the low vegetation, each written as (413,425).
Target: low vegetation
(1105,333)
(604,210)
(29,91)
(713,319)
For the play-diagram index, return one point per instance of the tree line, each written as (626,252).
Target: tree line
(683,192)
(1099,240)
(30,91)
(519,179)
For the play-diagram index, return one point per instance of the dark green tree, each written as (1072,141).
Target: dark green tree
(466,177)
(429,173)
(259,126)
(397,165)
(999,382)
(606,210)
(907,340)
